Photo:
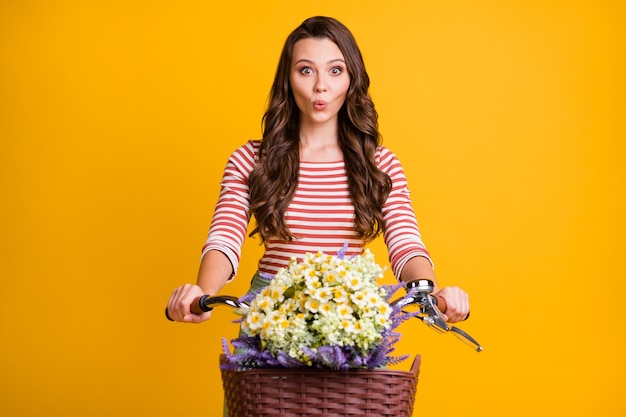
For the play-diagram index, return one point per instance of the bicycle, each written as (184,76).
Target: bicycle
(314,392)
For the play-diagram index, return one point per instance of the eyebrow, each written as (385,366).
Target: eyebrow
(305,60)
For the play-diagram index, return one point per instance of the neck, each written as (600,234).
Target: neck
(311,133)
(320,143)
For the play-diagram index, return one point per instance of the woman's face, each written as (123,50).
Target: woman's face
(319,80)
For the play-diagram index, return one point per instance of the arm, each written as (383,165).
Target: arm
(407,253)
(457,300)
(215,271)
(220,254)
(418,267)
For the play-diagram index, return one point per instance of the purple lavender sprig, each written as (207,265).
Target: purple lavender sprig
(249,354)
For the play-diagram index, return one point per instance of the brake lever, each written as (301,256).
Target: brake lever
(419,294)
(431,315)
(466,338)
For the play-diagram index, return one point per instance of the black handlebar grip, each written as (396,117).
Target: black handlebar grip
(167,315)
(198,306)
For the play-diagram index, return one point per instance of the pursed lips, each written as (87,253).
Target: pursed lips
(320,104)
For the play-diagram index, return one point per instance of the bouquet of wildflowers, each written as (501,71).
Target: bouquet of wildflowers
(326,312)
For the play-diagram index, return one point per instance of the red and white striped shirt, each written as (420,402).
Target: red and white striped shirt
(320,216)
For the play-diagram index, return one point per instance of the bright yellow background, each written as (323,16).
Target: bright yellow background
(116,119)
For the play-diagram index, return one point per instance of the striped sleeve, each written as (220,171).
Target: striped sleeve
(402,235)
(232,212)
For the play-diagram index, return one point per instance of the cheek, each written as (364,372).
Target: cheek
(298,96)
(300,101)
(344,87)
(297,90)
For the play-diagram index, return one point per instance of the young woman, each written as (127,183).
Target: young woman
(318,179)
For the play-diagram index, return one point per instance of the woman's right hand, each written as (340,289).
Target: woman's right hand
(179,304)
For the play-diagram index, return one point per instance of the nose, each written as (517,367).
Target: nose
(320,85)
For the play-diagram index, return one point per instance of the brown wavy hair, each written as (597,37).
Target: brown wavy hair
(273,181)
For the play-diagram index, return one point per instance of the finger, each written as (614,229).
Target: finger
(464,308)
(452,314)
(177,307)
(458,303)
(196,318)
(460,313)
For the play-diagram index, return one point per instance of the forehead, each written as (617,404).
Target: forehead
(316,50)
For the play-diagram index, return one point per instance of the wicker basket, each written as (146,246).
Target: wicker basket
(309,393)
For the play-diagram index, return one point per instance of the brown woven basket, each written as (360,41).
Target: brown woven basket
(309,393)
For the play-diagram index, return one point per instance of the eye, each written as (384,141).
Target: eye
(336,70)
(306,71)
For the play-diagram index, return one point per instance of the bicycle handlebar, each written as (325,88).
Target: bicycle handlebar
(418,293)
(207,302)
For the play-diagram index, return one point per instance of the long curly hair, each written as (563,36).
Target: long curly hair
(273,181)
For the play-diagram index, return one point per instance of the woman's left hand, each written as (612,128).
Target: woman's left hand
(457,303)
